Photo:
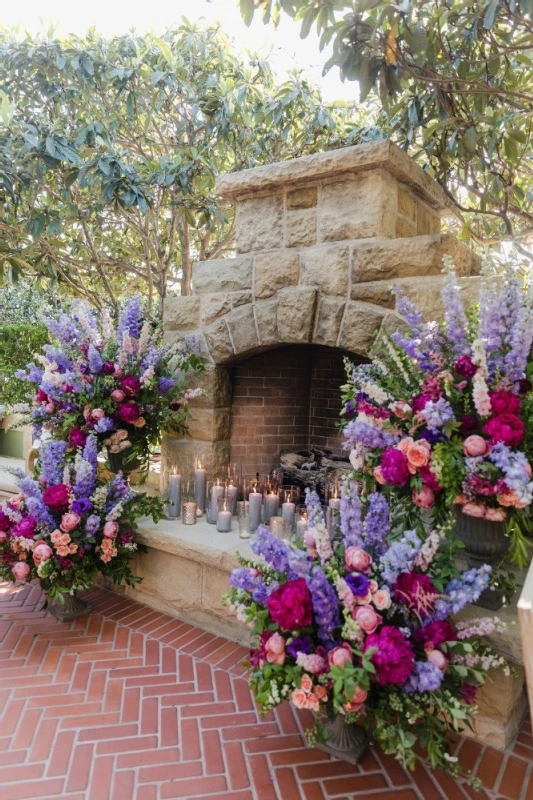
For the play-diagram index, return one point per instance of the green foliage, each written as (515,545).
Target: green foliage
(110,149)
(453,84)
(17,345)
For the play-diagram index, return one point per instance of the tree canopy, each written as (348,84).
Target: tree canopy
(453,83)
(109,150)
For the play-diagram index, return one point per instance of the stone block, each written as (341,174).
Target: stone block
(266,321)
(306,197)
(176,580)
(274,271)
(327,267)
(218,340)
(240,298)
(215,382)
(406,204)
(259,223)
(328,323)
(466,261)
(182,453)
(222,275)
(181,313)
(213,306)
(377,292)
(214,585)
(209,424)
(361,321)
(500,694)
(425,294)
(404,228)
(241,324)
(296,314)
(359,208)
(427,221)
(300,228)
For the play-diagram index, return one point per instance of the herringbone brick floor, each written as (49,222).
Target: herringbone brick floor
(132,704)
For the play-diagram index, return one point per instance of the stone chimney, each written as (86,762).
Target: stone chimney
(320,240)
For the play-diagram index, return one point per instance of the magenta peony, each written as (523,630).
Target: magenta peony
(290,605)
(129,412)
(503,402)
(395,467)
(56,497)
(5,522)
(469,423)
(465,367)
(506,428)
(25,528)
(435,634)
(108,368)
(394,657)
(415,591)
(419,402)
(429,478)
(130,385)
(77,437)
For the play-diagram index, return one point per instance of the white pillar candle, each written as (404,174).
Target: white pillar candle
(224,521)
(301,527)
(255,499)
(199,488)
(174,495)
(216,492)
(288,512)
(335,503)
(231,494)
(271,506)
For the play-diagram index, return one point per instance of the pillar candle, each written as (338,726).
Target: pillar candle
(301,527)
(271,506)
(224,521)
(288,512)
(216,492)
(255,499)
(335,503)
(199,488)
(174,495)
(231,494)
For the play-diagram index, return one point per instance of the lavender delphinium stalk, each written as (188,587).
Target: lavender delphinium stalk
(279,554)
(94,358)
(454,316)
(361,433)
(34,501)
(514,465)
(520,339)
(491,322)
(86,469)
(243,579)
(351,520)
(52,457)
(462,591)
(64,330)
(437,413)
(130,318)
(377,524)
(314,508)
(425,677)
(400,556)
(325,605)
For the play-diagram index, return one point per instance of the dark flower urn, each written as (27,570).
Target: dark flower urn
(485,543)
(345,740)
(122,462)
(72,608)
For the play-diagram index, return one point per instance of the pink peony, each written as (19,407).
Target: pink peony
(129,412)
(474,509)
(340,656)
(395,467)
(20,570)
(503,402)
(415,591)
(130,385)
(357,559)
(367,619)
(438,658)
(25,528)
(275,649)
(56,497)
(41,552)
(465,367)
(97,413)
(70,521)
(110,530)
(506,428)
(117,395)
(77,437)
(476,446)
(394,657)
(290,605)
(425,498)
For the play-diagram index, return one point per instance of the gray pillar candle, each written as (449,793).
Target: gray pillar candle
(255,499)
(301,527)
(288,512)
(216,491)
(174,495)
(231,494)
(224,521)
(199,488)
(271,506)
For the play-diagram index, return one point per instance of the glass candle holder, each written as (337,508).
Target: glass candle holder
(243,515)
(232,492)
(302,521)
(189,512)
(215,489)
(174,495)
(224,515)
(278,527)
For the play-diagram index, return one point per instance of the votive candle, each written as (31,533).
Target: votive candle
(224,521)
(188,513)
(278,527)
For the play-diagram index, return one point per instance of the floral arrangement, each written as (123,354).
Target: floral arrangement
(362,628)
(443,414)
(65,526)
(114,381)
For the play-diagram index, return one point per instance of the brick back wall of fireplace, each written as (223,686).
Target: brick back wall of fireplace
(286,398)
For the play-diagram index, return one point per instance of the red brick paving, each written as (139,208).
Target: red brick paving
(130,704)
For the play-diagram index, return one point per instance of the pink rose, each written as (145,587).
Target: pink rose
(309,538)
(340,656)
(129,412)
(476,446)
(438,658)
(419,453)
(373,587)
(474,510)
(367,619)
(306,683)
(117,395)
(495,514)
(41,552)
(356,559)
(353,708)
(378,475)
(299,698)
(359,696)
(110,530)
(312,702)
(20,570)
(425,498)
(118,373)
(275,649)
(50,408)
(381,599)
(97,413)
(506,428)
(69,521)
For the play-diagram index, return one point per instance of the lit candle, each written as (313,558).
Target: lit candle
(174,495)
(255,500)
(301,527)
(199,488)
(224,521)
(216,491)
(271,506)
(288,512)
(231,494)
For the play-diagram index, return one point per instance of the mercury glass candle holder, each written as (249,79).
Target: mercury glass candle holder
(243,515)
(188,513)
(278,527)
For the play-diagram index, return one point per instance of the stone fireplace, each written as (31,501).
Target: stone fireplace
(319,242)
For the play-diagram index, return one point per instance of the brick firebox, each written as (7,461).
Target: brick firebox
(285,398)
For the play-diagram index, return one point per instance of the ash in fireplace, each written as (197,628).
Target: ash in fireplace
(314,468)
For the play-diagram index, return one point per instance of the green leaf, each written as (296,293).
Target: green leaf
(490,14)
(420,46)
(470,141)
(247,11)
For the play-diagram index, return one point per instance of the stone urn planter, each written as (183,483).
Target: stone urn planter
(485,543)
(121,462)
(72,608)
(346,741)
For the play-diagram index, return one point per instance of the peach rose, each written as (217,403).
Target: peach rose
(474,510)
(373,587)
(340,656)
(275,649)
(87,411)
(357,559)
(366,618)
(382,599)
(353,708)
(418,454)
(509,500)
(306,683)
(495,514)
(41,552)
(70,521)
(140,422)
(299,698)
(64,539)
(459,500)
(364,601)
(97,413)
(425,498)
(475,445)
(359,696)
(312,702)
(438,658)
(110,530)
(404,443)
(321,693)
(378,475)
(20,570)
(63,550)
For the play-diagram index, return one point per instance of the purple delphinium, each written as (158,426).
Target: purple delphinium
(491,322)
(130,318)
(52,459)
(425,677)
(400,556)
(520,339)
(95,359)
(86,469)
(104,425)
(32,373)
(377,524)
(243,579)
(437,413)
(279,554)
(351,521)
(357,432)
(462,591)
(314,508)
(54,354)
(455,317)
(514,465)
(325,605)
(92,524)
(64,330)
(165,384)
